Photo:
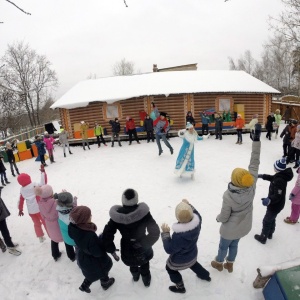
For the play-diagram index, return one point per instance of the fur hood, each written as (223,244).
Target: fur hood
(137,214)
(184,227)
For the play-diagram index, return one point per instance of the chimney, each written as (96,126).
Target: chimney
(155,68)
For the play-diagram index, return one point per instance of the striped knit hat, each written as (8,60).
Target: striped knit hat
(280,164)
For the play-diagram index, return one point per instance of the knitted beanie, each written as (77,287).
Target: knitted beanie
(163,114)
(241,178)
(64,199)
(280,164)
(184,212)
(24,179)
(130,197)
(44,191)
(80,215)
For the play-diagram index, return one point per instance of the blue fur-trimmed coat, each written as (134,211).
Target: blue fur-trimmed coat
(132,222)
(182,246)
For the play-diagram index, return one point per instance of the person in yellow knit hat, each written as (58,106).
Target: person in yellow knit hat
(237,208)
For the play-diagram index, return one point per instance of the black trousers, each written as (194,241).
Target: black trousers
(150,135)
(204,128)
(5,233)
(55,250)
(98,139)
(144,270)
(176,277)
(132,132)
(269,222)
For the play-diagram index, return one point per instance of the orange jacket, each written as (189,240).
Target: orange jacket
(239,123)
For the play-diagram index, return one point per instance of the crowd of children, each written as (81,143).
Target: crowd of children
(66,222)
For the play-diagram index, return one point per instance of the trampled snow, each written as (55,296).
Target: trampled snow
(100,175)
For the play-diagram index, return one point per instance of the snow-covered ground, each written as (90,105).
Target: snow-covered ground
(99,176)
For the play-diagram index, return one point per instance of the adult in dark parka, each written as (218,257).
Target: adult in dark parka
(132,220)
(92,258)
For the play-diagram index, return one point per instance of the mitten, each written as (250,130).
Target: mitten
(257,132)
(165,227)
(21,214)
(116,256)
(260,176)
(291,196)
(266,201)
(162,130)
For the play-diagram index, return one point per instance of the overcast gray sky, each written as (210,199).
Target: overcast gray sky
(82,37)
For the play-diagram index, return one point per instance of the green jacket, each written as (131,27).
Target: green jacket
(98,130)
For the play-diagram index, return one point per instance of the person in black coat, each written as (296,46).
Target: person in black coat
(148,126)
(4,213)
(275,200)
(92,258)
(189,118)
(269,125)
(218,126)
(3,172)
(11,159)
(115,128)
(132,220)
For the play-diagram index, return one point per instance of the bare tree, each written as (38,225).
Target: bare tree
(288,22)
(123,67)
(29,76)
(245,63)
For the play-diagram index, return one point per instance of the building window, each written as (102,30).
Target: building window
(224,104)
(112,111)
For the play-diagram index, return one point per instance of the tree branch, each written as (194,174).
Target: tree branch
(125,3)
(27,13)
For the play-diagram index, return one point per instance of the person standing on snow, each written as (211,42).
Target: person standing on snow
(98,131)
(115,128)
(11,159)
(131,130)
(185,162)
(161,128)
(182,245)
(84,134)
(139,233)
(64,140)
(27,194)
(275,200)
(237,209)
(49,141)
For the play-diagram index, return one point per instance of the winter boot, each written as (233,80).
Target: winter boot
(296,165)
(228,266)
(270,235)
(70,152)
(146,279)
(89,147)
(18,172)
(85,286)
(120,144)
(6,181)
(2,181)
(107,284)
(136,276)
(51,159)
(261,238)
(57,257)
(65,155)
(260,281)
(112,144)
(178,288)
(217,265)
(289,221)
(2,245)
(13,174)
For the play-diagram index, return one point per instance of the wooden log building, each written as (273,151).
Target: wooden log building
(176,93)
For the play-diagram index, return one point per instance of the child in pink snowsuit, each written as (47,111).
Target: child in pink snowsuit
(27,193)
(295,198)
(47,205)
(49,141)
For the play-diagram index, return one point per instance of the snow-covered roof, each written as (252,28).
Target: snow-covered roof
(111,89)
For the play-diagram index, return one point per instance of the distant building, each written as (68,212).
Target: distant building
(190,67)
(176,93)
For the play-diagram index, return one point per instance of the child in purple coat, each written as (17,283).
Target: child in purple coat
(295,198)
(47,206)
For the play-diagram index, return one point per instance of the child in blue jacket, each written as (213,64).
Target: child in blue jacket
(182,245)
